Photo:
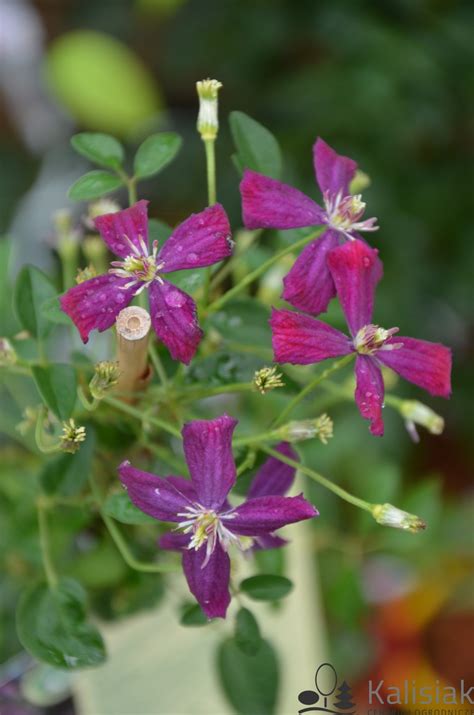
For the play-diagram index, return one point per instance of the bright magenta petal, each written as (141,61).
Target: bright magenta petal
(208,584)
(131,224)
(356,269)
(174,319)
(369,393)
(156,496)
(333,171)
(96,303)
(426,364)
(309,285)
(263,515)
(208,451)
(201,240)
(268,203)
(274,477)
(302,340)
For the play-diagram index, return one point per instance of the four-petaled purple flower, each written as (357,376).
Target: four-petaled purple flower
(303,340)
(201,240)
(199,507)
(267,203)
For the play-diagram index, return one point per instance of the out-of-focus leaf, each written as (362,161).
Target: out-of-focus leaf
(52,626)
(193,616)
(119,507)
(250,682)
(247,633)
(244,321)
(156,152)
(344,598)
(223,368)
(51,310)
(93,185)
(32,289)
(256,146)
(99,567)
(57,386)
(45,686)
(270,561)
(266,587)
(67,474)
(158,231)
(101,149)
(189,281)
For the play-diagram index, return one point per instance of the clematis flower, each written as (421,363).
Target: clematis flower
(303,340)
(201,240)
(206,525)
(267,203)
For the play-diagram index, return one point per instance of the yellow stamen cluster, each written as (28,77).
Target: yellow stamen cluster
(85,274)
(106,375)
(72,436)
(267,378)
(8,355)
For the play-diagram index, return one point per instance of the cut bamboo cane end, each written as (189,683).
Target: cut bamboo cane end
(133,328)
(133,323)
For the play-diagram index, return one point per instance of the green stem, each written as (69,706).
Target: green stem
(312,385)
(342,493)
(48,565)
(157,364)
(268,436)
(253,275)
(87,404)
(133,412)
(248,462)
(46,447)
(132,191)
(209,145)
(198,393)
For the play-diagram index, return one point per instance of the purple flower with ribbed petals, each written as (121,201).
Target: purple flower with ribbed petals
(303,340)
(206,523)
(267,203)
(201,240)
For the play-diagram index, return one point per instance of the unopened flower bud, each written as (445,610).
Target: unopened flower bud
(85,274)
(62,220)
(266,379)
(208,123)
(359,183)
(8,355)
(72,437)
(415,413)
(389,515)
(95,252)
(106,375)
(99,208)
(321,428)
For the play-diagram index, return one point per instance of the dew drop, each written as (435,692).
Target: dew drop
(157,491)
(175,299)
(366,261)
(192,257)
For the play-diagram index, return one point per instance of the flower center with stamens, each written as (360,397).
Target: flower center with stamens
(371,338)
(344,213)
(206,527)
(139,266)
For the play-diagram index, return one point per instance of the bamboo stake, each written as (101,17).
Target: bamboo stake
(133,329)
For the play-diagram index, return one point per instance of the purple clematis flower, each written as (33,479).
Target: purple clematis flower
(303,340)
(267,203)
(201,240)
(208,525)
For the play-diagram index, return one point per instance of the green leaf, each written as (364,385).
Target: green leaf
(188,281)
(266,587)
(51,310)
(51,625)
(158,231)
(93,185)
(67,474)
(256,146)
(270,560)
(223,368)
(193,616)
(243,320)
(101,149)
(32,289)
(57,386)
(119,507)
(247,632)
(156,152)
(250,682)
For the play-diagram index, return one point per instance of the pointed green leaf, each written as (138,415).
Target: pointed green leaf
(193,616)
(256,146)
(101,149)
(119,507)
(247,632)
(57,386)
(93,185)
(32,289)
(266,587)
(156,152)
(51,310)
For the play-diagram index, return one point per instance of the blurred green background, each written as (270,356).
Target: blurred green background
(389,83)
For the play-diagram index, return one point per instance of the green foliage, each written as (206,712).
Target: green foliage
(32,290)
(266,587)
(193,616)
(57,386)
(52,626)
(67,474)
(121,508)
(156,152)
(257,148)
(93,185)
(247,633)
(243,320)
(51,310)
(101,149)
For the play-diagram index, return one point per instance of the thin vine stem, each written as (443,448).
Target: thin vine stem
(45,546)
(138,414)
(157,364)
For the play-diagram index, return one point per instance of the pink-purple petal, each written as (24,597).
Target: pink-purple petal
(201,240)
(131,224)
(174,319)
(156,496)
(263,515)
(309,285)
(269,541)
(356,269)
(426,364)
(302,340)
(268,203)
(208,584)
(208,451)
(369,393)
(274,477)
(174,541)
(96,303)
(334,172)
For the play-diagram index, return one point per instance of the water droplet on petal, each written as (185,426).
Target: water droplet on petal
(192,257)
(366,261)
(157,491)
(175,299)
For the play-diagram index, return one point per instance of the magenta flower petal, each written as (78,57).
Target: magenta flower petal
(185,486)
(131,224)
(268,203)
(274,477)
(356,270)
(156,496)
(208,451)
(174,319)
(269,541)
(174,541)
(369,393)
(209,584)
(201,240)
(262,515)
(426,364)
(309,284)
(302,340)
(95,304)
(333,171)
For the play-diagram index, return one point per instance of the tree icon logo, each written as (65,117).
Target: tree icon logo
(328,697)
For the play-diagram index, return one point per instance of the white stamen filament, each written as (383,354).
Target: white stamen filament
(207,528)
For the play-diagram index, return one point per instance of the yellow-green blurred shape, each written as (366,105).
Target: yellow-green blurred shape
(160,7)
(101,82)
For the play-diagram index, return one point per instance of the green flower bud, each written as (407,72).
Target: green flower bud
(72,436)
(208,123)
(389,515)
(266,379)
(105,377)
(321,427)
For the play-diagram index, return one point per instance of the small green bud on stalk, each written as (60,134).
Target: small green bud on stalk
(208,123)
(8,355)
(72,436)
(99,208)
(389,515)
(267,379)
(298,431)
(359,183)
(95,251)
(106,376)
(415,413)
